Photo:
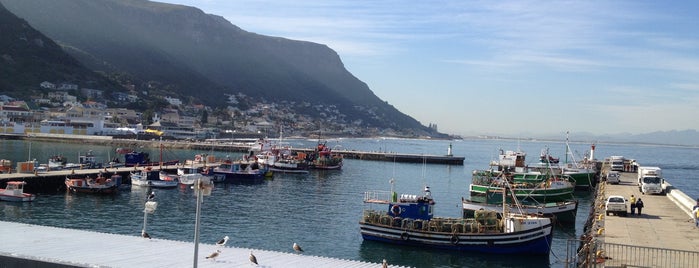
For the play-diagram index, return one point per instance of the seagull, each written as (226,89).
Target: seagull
(144,234)
(222,242)
(253,259)
(151,196)
(384,264)
(214,255)
(297,248)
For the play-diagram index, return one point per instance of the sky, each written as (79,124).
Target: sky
(505,67)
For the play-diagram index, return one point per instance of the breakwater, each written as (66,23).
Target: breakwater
(235,147)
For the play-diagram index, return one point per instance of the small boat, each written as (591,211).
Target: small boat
(409,220)
(14,192)
(98,185)
(141,179)
(164,176)
(324,158)
(188,176)
(240,171)
(563,212)
(56,162)
(5,166)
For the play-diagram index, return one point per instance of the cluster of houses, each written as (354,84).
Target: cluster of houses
(59,111)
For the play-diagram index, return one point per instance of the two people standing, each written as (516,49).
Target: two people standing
(637,205)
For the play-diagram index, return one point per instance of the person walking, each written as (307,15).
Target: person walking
(639,205)
(695,214)
(632,202)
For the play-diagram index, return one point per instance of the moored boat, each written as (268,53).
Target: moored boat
(563,212)
(140,178)
(14,192)
(324,158)
(409,220)
(543,187)
(98,185)
(242,170)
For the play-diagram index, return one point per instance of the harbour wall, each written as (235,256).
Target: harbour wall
(682,200)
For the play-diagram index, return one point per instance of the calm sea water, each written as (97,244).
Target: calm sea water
(320,210)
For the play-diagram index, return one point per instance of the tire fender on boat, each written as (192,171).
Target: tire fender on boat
(395,210)
(405,236)
(454,239)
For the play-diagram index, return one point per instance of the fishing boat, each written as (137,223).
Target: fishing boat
(241,170)
(98,185)
(324,158)
(539,186)
(141,178)
(14,192)
(562,212)
(189,175)
(56,162)
(409,220)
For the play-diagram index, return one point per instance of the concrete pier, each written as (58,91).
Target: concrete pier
(26,245)
(665,227)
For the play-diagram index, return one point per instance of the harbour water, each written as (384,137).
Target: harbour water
(320,210)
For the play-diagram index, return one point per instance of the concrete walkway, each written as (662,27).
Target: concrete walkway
(663,224)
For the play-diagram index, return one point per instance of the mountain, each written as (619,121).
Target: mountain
(205,56)
(27,58)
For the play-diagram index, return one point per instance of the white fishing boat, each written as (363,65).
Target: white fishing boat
(14,192)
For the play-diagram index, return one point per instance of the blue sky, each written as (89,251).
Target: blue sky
(505,68)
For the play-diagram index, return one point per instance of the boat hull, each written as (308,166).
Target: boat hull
(543,194)
(534,241)
(15,198)
(563,212)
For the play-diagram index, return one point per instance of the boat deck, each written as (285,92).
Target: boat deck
(26,245)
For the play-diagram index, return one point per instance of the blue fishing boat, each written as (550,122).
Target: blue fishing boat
(408,220)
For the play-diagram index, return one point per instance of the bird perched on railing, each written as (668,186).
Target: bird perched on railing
(222,242)
(297,248)
(214,255)
(252,258)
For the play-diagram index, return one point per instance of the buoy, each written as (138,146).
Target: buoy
(600,231)
(599,218)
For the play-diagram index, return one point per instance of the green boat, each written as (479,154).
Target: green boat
(542,187)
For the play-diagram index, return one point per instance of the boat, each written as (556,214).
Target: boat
(5,166)
(98,185)
(409,220)
(56,162)
(89,160)
(539,186)
(324,158)
(189,175)
(140,178)
(241,170)
(562,212)
(14,192)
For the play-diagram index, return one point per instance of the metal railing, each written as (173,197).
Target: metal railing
(601,254)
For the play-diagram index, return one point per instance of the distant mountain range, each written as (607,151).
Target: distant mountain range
(193,55)
(688,137)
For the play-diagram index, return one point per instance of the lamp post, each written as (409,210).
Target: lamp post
(202,187)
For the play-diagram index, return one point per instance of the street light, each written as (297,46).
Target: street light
(202,187)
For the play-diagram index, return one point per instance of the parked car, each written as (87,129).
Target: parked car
(613,177)
(616,205)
